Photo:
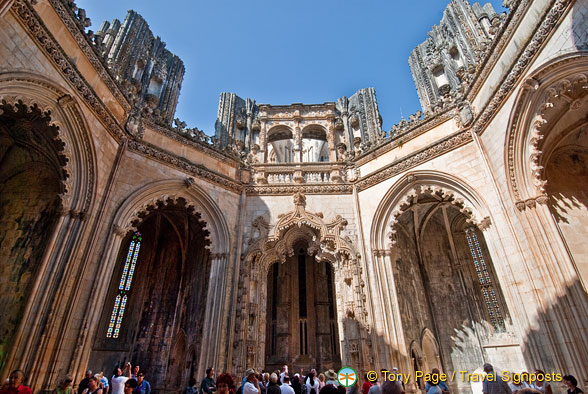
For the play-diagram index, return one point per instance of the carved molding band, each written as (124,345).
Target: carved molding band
(424,155)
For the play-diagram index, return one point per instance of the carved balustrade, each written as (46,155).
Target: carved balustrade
(299,173)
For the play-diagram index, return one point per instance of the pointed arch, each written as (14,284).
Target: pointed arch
(34,90)
(443,185)
(130,210)
(552,90)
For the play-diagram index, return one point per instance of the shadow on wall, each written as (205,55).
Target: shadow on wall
(566,353)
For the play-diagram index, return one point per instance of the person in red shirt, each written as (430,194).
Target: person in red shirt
(366,385)
(15,385)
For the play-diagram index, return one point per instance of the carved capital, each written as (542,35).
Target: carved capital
(188,181)
(485,223)
(530,203)
(520,205)
(121,232)
(542,199)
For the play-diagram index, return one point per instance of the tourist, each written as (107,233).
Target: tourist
(365,388)
(515,387)
(119,378)
(375,388)
(15,384)
(329,389)
(143,386)
(191,387)
(208,386)
(355,388)
(65,386)
(442,385)
(296,384)
(283,373)
(265,383)
(135,372)
(322,381)
(84,383)
(273,386)
(285,388)
(540,384)
(312,384)
(129,386)
(251,385)
(492,384)
(93,386)
(103,383)
(331,376)
(572,384)
(224,383)
(392,387)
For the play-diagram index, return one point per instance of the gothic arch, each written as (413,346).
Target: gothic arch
(324,238)
(274,244)
(430,349)
(41,96)
(399,198)
(551,91)
(35,90)
(128,213)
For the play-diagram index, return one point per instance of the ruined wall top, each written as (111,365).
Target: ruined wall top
(151,75)
(453,51)
(300,132)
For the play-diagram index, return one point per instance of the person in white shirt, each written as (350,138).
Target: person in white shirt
(285,388)
(311,383)
(119,379)
(251,386)
(284,373)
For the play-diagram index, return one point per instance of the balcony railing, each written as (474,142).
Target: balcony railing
(298,173)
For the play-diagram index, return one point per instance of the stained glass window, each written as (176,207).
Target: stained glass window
(124,286)
(484,277)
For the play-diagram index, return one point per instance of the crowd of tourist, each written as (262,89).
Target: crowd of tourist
(131,380)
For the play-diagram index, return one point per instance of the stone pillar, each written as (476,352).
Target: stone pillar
(331,140)
(562,308)
(214,314)
(263,139)
(297,140)
(5,6)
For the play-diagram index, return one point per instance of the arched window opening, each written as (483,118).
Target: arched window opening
(120,302)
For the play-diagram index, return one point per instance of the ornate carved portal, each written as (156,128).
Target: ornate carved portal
(302,293)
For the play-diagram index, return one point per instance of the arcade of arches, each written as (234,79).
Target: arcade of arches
(300,234)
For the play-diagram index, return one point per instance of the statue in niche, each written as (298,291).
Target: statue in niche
(357,149)
(342,154)
(252,156)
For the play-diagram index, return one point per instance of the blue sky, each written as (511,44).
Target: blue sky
(280,52)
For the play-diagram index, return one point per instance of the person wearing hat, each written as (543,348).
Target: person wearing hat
(331,376)
(251,386)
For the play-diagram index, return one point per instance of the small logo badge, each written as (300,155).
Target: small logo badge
(346,377)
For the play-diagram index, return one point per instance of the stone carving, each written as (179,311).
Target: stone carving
(184,165)
(133,54)
(45,41)
(443,146)
(552,17)
(452,53)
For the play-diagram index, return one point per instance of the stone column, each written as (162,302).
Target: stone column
(331,140)
(561,308)
(263,139)
(297,140)
(214,313)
